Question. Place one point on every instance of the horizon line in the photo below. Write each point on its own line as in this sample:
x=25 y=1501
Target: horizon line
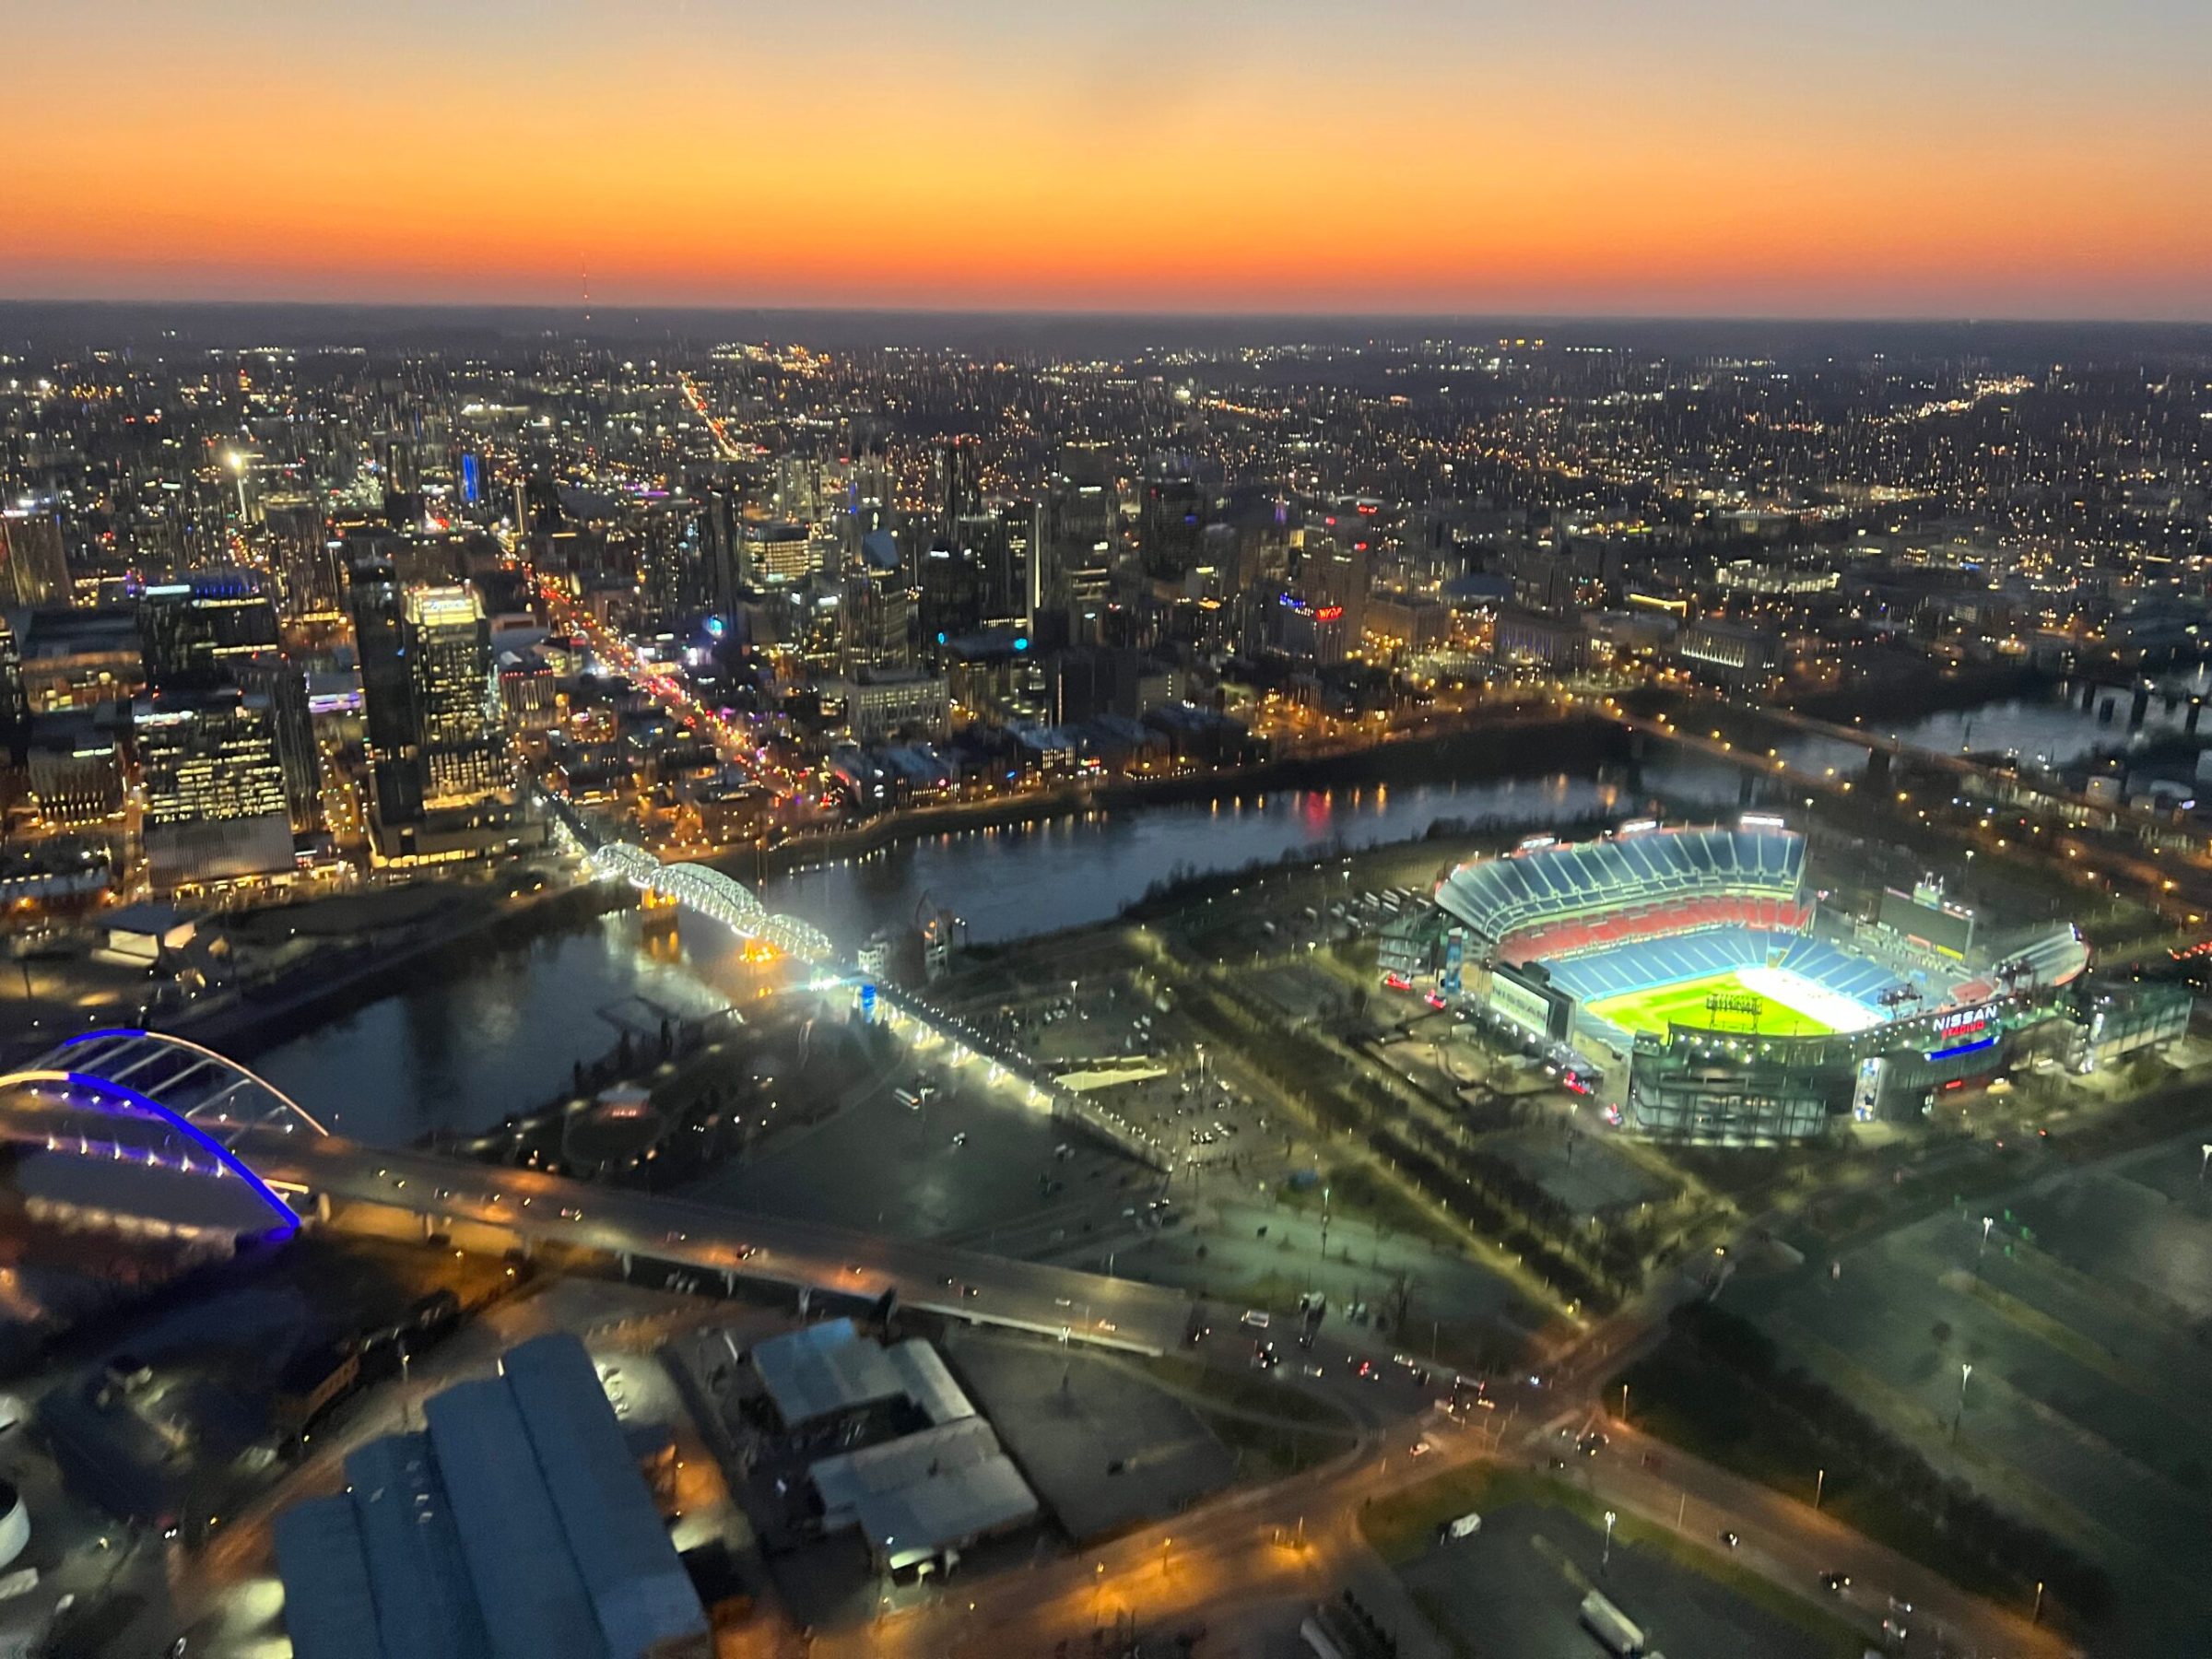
x=1100 y=313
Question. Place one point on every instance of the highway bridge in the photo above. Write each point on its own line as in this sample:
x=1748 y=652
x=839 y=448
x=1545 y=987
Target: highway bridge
x=145 y=1115
x=723 y=898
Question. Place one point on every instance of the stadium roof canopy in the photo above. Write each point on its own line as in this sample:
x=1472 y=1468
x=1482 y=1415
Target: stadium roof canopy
x=1496 y=897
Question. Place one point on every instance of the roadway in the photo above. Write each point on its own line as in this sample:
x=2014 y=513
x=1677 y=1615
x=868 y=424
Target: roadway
x=1301 y=1540
x=532 y=1205
x=1238 y=1552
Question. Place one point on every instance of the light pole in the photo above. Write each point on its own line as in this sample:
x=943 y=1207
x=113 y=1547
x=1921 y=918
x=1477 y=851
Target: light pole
x=1605 y=1560
x=1987 y=1222
x=2206 y=1158
x=1966 y=1371
x=1324 y=1223
x=1820 y=1486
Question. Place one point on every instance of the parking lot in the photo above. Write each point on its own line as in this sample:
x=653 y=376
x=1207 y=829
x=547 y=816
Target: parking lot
x=1105 y=1448
x=2081 y=1318
x=1515 y=1586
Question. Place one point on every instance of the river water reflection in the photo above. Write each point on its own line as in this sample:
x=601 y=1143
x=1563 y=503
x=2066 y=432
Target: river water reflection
x=2053 y=731
x=496 y=1031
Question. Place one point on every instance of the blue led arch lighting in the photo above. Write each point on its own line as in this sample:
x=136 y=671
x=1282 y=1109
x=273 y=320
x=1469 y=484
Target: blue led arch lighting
x=130 y=1099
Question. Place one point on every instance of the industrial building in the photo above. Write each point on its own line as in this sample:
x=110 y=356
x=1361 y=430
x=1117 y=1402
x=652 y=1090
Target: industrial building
x=930 y=1480
x=517 y=1526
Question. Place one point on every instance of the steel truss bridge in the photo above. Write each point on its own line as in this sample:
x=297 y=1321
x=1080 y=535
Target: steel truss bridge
x=719 y=898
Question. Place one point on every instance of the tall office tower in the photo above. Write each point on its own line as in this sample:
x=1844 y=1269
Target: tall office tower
x=281 y=682
x=957 y=490
x=1017 y=580
x=877 y=610
x=776 y=554
x=1334 y=570
x=304 y=557
x=463 y=755
x=948 y=588
x=34 y=568
x=215 y=808
x=1081 y=518
x=721 y=531
x=380 y=644
x=665 y=563
x=192 y=631
x=216 y=629
x=401 y=463
x=15 y=702
x=1171 y=526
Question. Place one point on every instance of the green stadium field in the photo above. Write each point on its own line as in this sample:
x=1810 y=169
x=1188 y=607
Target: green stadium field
x=1685 y=1004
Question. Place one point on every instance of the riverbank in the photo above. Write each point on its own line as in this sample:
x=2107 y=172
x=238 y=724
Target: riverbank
x=1516 y=748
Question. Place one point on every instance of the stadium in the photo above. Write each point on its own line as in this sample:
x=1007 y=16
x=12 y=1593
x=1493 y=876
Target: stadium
x=1690 y=976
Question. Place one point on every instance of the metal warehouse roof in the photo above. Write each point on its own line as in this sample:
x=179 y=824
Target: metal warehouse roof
x=329 y=1609
x=517 y=1527
x=927 y=1382
x=947 y=1511
x=822 y=1369
x=527 y=1582
x=845 y=1480
x=630 y=1569
x=426 y=1604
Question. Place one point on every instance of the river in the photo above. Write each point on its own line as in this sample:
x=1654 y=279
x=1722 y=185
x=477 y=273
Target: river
x=2045 y=733
x=480 y=1034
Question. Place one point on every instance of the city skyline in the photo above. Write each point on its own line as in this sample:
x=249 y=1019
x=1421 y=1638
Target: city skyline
x=1722 y=160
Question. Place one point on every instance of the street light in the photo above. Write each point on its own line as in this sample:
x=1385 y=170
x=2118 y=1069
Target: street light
x=2206 y=1149
x=1819 y=1486
x=238 y=466
x=1605 y=1558
x=1966 y=1371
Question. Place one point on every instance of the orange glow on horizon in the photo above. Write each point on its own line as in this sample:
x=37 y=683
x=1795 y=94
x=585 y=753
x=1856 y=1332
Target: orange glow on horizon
x=704 y=158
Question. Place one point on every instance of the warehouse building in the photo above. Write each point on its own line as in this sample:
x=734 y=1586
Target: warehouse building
x=518 y=1526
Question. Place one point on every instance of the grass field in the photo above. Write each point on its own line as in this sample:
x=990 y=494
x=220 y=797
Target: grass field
x=1686 y=1002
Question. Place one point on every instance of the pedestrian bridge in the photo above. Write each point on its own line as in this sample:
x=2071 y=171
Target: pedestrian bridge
x=161 y=1117
x=718 y=897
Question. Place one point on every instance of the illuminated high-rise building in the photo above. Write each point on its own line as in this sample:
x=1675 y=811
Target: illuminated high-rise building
x=213 y=787
x=376 y=600
x=34 y=567
x=304 y=556
x=219 y=628
x=192 y=631
x=463 y=755
x=877 y=610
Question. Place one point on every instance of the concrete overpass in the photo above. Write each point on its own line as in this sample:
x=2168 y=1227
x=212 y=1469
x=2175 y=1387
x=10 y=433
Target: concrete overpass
x=144 y=1116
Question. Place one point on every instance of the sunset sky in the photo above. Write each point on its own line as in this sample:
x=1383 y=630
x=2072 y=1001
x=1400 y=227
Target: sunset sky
x=1989 y=158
